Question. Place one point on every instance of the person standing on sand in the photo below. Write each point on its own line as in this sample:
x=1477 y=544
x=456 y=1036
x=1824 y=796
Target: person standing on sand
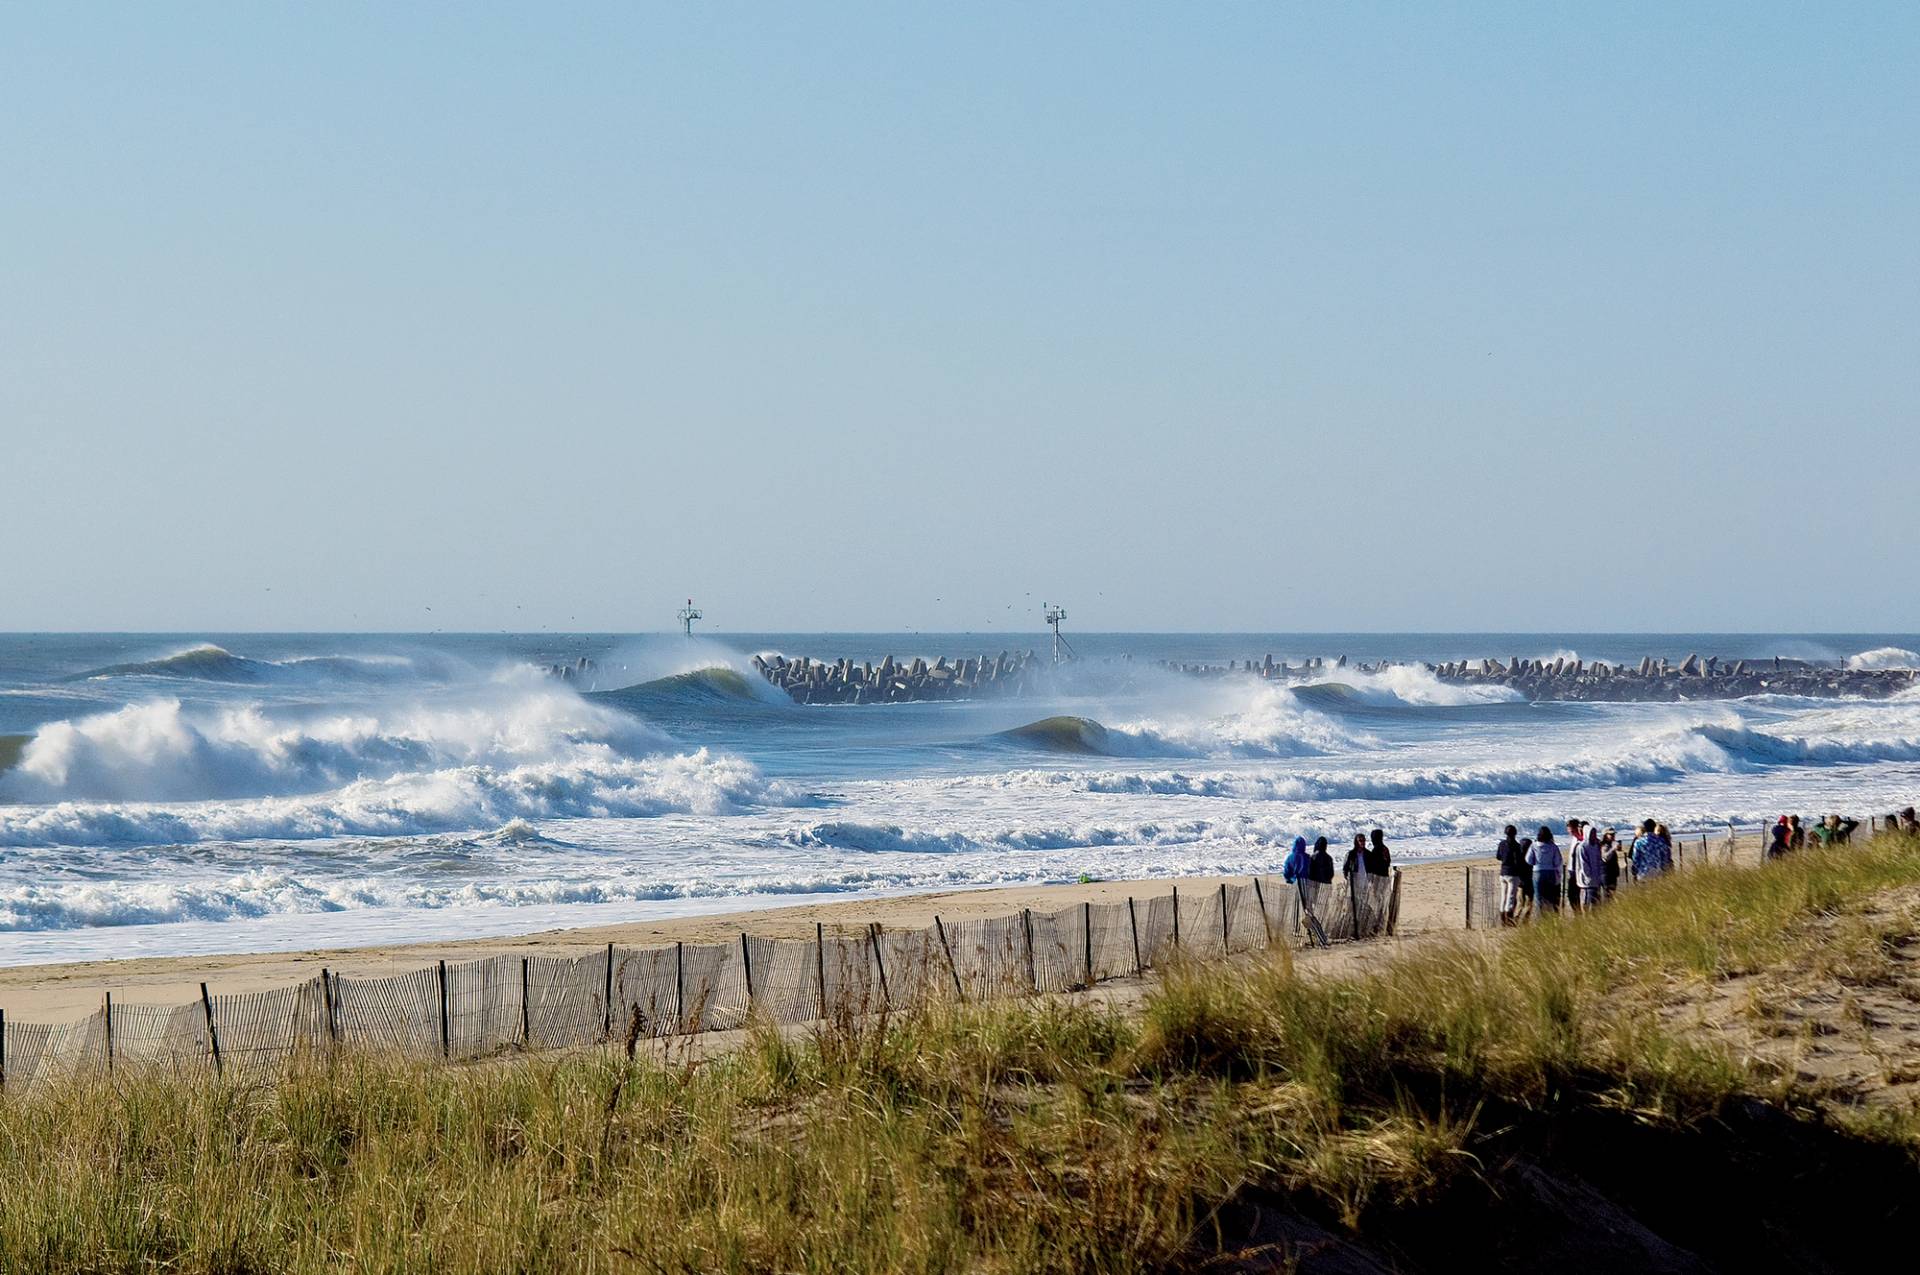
x=1295 y=868
x=1378 y=859
x=1640 y=855
x=1513 y=865
x=1524 y=879
x=1588 y=871
x=1610 y=861
x=1777 y=839
x=1545 y=860
x=1796 y=835
x=1665 y=842
x=1320 y=867
x=1356 y=860
x=1572 y=851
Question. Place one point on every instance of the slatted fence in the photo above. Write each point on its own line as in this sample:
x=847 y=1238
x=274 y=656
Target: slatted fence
x=473 y=1009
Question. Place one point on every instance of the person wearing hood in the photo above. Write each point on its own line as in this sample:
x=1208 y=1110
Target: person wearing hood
x=1356 y=860
x=1589 y=869
x=1379 y=860
x=1777 y=841
x=1295 y=868
x=1610 y=861
x=1320 y=867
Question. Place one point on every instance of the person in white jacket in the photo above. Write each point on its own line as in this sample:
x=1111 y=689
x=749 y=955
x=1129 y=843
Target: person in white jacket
x=1589 y=868
x=1544 y=856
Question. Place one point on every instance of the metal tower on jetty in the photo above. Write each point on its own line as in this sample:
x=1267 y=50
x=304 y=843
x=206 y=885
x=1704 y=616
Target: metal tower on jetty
x=688 y=614
x=1062 y=649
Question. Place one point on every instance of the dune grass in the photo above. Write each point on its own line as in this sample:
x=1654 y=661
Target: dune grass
x=1024 y=1136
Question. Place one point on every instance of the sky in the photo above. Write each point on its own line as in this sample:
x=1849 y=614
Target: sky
x=1190 y=317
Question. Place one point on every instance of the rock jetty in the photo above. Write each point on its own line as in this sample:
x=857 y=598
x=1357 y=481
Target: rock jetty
x=893 y=681
x=1695 y=677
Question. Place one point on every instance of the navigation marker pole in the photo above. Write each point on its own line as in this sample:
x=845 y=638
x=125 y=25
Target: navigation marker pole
x=688 y=614
x=1062 y=649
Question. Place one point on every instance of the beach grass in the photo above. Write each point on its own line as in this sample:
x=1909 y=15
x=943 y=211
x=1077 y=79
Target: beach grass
x=1035 y=1135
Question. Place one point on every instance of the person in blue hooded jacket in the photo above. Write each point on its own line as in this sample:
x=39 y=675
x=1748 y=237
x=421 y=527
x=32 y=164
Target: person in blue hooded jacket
x=1298 y=861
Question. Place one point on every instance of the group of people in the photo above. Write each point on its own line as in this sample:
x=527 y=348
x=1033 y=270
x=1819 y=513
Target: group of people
x=1539 y=872
x=1367 y=857
x=1789 y=834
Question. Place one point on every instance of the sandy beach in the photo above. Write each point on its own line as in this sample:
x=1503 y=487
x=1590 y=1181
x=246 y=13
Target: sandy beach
x=1432 y=895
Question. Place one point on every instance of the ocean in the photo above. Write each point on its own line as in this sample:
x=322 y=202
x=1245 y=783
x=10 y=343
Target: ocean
x=174 y=794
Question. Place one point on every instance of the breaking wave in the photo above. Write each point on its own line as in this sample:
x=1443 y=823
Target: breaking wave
x=1401 y=686
x=1718 y=747
x=710 y=686
x=159 y=750
x=1884 y=657
x=209 y=663
x=161 y=773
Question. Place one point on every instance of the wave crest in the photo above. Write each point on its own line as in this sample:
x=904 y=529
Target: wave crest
x=159 y=750
x=1885 y=657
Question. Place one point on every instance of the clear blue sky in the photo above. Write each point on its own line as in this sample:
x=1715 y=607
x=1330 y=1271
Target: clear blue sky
x=1194 y=316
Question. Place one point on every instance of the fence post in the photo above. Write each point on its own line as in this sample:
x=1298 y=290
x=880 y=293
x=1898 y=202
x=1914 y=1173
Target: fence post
x=1353 y=898
x=746 y=965
x=1026 y=924
x=953 y=969
x=526 y=1003
x=1469 y=898
x=1224 y=948
x=109 y=1013
x=1086 y=919
x=820 y=965
x=1176 y=918
x=333 y=1021
x=1133 y=923
x=879 y=963
x=606 y=1004
x=3 y=1050
x=446 y=1035
x=213 y=1037
x=1393 y=905
x=679 y=988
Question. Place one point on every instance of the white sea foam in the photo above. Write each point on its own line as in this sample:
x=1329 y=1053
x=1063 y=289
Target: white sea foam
x=160 y=750
x=596 y=784
x=1884 y=657
x=1270 y=721
x=1413 y=686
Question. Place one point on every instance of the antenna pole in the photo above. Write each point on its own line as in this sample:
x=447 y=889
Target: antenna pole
x=1062 y=649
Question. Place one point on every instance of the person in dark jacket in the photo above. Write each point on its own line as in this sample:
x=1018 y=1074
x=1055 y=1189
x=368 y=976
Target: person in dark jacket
x=1610 y=859
x=1513 y=866
x=1356 y=860
x=1379 y=859
x=1777 y=841
x=1320 y=867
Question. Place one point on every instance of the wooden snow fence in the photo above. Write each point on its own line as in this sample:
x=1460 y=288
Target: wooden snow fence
x=474 y=1009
